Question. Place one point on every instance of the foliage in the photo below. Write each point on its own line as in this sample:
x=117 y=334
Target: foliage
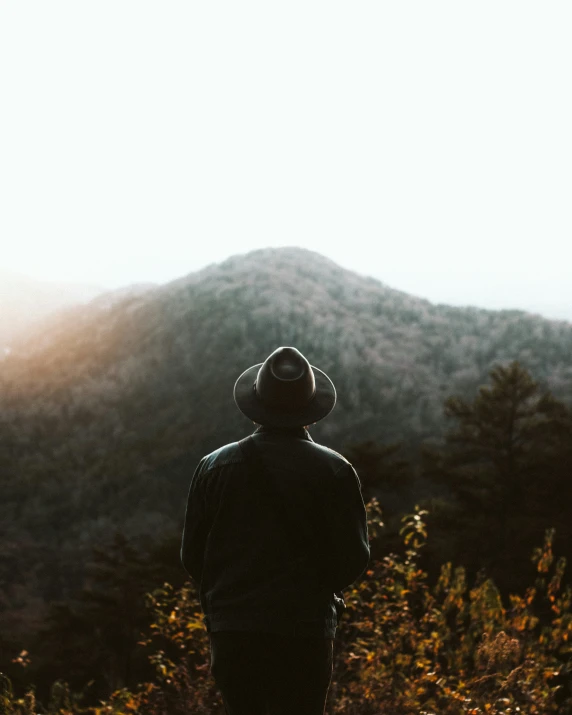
x=404 y=647
x=93 y=635
x=453 y=650
x=506 y=465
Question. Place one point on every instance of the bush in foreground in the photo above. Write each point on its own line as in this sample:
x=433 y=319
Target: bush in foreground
x=404 y=647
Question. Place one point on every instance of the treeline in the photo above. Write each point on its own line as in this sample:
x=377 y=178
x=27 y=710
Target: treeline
x=500 y=475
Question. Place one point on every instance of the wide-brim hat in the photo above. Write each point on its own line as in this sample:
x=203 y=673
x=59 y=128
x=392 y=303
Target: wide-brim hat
x=285 y=391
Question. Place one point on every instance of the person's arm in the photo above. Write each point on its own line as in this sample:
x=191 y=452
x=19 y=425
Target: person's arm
x=195 y=530
x=344 y=542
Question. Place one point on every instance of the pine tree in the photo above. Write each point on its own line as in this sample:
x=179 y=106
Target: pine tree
x=505 y=468
x=93 y=636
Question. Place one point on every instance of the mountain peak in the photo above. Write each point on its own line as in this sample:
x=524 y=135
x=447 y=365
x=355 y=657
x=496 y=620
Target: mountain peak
x=281 y=253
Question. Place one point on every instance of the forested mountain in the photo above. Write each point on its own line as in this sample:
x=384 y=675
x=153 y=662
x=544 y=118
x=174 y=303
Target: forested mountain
x=24 y=301
x=106 y=410
x=394 y=357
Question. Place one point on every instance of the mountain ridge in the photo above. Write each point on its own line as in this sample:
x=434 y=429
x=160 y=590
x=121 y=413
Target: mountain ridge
x=295 y=296
x=267 y=259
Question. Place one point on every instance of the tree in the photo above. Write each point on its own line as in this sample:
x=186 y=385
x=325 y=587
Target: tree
x=94 y=635
x=505 y=468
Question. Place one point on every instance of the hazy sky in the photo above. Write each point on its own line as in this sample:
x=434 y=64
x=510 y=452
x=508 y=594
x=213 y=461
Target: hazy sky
x=426 y=143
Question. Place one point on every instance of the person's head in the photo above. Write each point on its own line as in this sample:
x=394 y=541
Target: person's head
x=285 y=391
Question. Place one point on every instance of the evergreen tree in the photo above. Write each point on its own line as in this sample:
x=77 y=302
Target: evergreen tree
x=93 y=637
x=505 y=469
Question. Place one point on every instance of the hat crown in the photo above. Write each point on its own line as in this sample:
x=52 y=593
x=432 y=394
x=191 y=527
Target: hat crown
x=285 y=380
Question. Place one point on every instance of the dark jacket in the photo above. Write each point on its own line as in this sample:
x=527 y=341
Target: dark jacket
x=235 y=548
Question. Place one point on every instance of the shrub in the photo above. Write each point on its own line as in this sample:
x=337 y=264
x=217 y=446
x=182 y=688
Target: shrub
x=404 y=647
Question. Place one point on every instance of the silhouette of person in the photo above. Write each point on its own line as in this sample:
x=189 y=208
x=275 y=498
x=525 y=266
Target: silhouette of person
x=275 y=529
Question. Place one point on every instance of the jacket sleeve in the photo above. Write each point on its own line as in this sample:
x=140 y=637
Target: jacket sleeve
x=344 y=539
x=196 y=529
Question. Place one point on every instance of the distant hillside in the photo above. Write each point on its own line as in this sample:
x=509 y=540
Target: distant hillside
x=170 y=355
x=393 y=357
x=24 y=301
x=105 y=414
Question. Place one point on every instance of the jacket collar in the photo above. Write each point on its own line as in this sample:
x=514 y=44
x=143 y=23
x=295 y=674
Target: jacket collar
x=298 y=432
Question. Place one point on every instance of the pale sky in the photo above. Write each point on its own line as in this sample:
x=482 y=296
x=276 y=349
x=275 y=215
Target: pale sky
x=428 y=144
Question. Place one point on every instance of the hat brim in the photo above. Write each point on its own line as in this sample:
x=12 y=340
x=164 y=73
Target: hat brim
x=250 y=404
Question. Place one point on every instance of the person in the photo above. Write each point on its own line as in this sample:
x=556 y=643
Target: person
x=275 y=528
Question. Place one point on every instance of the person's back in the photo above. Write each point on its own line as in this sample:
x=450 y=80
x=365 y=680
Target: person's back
x=275 y=528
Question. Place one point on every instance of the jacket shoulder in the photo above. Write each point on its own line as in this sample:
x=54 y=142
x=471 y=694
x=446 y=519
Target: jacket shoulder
x=336 y=459
x=227 y=454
